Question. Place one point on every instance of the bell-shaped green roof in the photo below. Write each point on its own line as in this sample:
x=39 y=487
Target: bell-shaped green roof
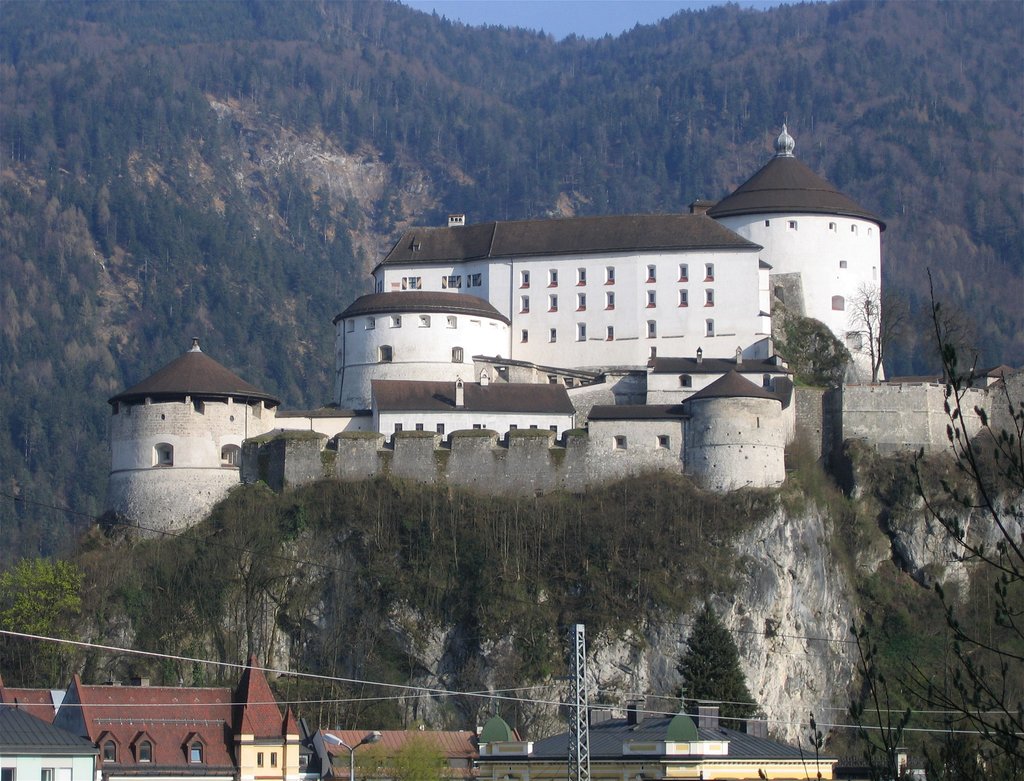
x=681 y=730
x=497 y=730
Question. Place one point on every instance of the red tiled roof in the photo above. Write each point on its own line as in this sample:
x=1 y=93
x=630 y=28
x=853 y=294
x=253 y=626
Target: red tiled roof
x=37 y=702
x=258 y=714
x=454 y=745
x=169 y=716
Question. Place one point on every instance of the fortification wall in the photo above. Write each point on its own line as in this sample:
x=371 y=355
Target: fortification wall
x=810 y=424
x=732 y=443
x=168 y=499
x=905 y=416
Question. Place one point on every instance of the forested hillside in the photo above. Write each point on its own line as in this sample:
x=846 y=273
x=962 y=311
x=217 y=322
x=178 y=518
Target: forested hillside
x=232 y=170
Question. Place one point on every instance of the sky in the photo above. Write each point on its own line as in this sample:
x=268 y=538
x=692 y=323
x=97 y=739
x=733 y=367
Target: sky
x=561 y=18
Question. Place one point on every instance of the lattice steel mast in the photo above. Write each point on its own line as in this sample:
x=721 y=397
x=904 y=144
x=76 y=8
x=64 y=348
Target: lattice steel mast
x=579 y=725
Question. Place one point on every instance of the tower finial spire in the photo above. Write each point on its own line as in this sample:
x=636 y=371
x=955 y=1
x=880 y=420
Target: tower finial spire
x=784 y=144
x=195 y=345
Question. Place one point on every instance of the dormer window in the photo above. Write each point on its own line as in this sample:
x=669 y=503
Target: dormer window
x=195 y=752
x=109 y=751
x=144 y=751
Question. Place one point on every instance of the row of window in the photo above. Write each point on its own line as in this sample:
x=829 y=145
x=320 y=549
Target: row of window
x=143 y=751
x=581 y=332
x=386 y=354
x=834 y=227
x=163 y=455
x=440 y=429
x=448 y=281
x=620 y=442
x=609 y=300
x=395 y=321
x=609 y=275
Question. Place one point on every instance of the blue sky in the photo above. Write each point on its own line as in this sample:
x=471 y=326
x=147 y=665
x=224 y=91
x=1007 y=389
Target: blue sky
x=560 y=18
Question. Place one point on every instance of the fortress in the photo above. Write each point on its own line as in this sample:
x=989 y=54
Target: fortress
x=539 y=354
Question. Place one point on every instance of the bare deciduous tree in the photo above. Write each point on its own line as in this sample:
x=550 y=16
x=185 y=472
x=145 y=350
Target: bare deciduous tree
x=879 y=317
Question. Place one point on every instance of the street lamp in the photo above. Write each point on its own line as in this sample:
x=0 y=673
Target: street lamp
x=334 y=740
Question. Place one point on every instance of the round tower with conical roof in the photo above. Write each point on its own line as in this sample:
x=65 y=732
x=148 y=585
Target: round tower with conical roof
x=175 y=440
x=824 y=249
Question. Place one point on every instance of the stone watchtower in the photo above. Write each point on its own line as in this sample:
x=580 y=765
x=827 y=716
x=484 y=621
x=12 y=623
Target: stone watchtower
x=175 y=440
x=824 y=249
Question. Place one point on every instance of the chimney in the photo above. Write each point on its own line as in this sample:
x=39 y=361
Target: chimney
x=484 y=378
x=635 y=712
x=707 y=717
x=598 y=715
x=739 y=356
x=456 y=220
x=140 y=681
x=757 y=728
x=460 y=394
x=700 y=355
x=701 y=206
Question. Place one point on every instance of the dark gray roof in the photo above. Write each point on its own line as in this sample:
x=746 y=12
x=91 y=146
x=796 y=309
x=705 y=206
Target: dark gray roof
x=636 y=412
x=732 y=385
x=575 y=235
x=607 y=737
x=784 y=185
x=22 y=733
x=421 y=301
x=197 y=375
x=714 y=366
x=422 y=396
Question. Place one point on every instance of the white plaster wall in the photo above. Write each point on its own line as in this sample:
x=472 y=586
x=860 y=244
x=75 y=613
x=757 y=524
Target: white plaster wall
x=642 y=450
x=732 y=443
x=739 y=287
x=664 y=388
x=329 y=425
x=500 y=422
x=168 y=499
x=816 y=251
x=66 y=768
x=418 y=352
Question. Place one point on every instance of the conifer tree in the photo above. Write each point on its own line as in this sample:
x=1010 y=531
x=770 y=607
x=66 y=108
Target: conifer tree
x=711 y=669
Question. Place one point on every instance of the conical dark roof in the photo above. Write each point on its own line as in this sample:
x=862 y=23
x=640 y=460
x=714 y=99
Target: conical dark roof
x=731 y=385
x=197 y=375
x=785 y=185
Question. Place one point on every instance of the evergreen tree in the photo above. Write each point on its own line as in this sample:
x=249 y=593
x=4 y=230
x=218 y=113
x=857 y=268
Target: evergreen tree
x=711 y=669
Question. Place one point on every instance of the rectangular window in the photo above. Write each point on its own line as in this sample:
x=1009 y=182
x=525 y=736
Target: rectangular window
x=273 y=759
x=474 y=280
x=709 y=297
x=709 y=327
x=709 y=272
x=609 y=275
x=424 y=321
x=553 y=335
x=684 y=272
x=398 y=427
x=552 y=303
x=581 y=276
x=451 y=281
x=525 y=336
x=46 y=774
x=259 y=754
x=452 y=321
x=412 y=283
x=652 y=299
x=684 y=298
x=440 y=428
x=524 y=279
x=7 y=774
x=792 y=225
x=419 y=427
x=652 y=273
x=619 y=443
x=552 y=379
x=396 y=321
x=371 y=323
x=663 y=441
x=581 y=302
x=652 y=329
x=553 y=278
x=842 y=264
x=609 y=300
x=610 y=333
x=581 y=332
x=524 y=304
x=832 y=227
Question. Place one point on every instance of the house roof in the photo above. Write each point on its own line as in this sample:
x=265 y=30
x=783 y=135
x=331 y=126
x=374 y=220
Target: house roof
x=454 y=745
x=41 y=703
x=786 y=185
x=607 y=738
x=571 y=235
x=23 y=733
x=170 y=717
x=714 y=366
x=197 y=375
x=256 y=711
x=424 y=396
x=731 y=385
x=637 y=412
x=425 y=301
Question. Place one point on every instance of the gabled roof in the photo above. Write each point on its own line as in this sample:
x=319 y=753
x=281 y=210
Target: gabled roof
x=731 y=385
x=571 y=235
x=41 y=703
x=430 y=396
x=786 y=185
x=637 y=412
x=197 y=375
x=165 y=715
x=425 y=301
x=256 y=711
x=23 y=733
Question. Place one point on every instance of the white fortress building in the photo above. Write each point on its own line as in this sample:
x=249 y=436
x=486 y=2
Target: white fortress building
x=649 y=334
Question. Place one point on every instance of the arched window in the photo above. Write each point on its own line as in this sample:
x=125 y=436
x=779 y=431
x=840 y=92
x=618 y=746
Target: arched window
x=145 y=751
x=163 y=454
x=110 y=751
x=230 y=455
x=195 y=752
x=457 y=355
x=385 y=354
x=838 y=303
x=685 y=381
